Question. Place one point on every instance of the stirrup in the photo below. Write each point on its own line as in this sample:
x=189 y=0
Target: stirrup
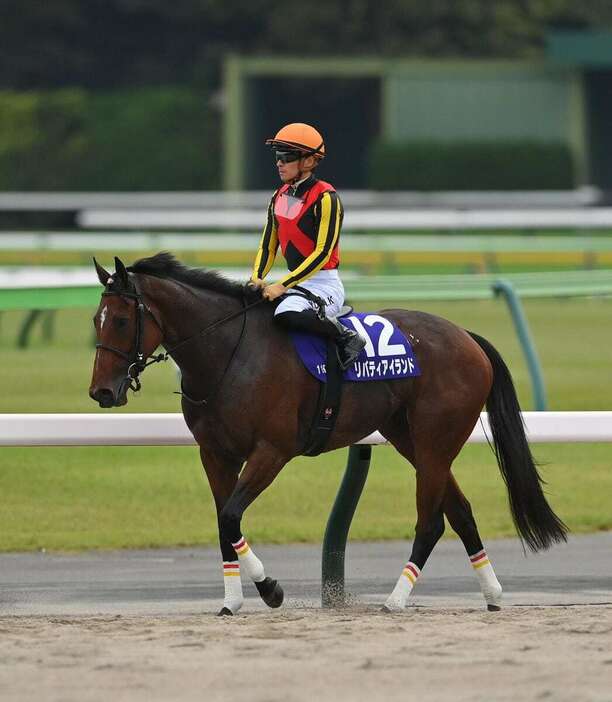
x=345 y=363
x=347 y=356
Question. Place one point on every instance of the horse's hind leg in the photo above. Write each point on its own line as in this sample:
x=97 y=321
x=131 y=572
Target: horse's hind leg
x=459 y=515
x=432 y=474
x=431 y=443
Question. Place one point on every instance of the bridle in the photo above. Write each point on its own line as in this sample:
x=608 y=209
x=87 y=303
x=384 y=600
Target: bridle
x=136 y=359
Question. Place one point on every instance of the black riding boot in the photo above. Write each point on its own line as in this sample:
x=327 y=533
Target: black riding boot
x=348 y=342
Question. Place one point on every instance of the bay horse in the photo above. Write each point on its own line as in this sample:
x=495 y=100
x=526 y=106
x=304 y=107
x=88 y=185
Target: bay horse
x=249 y=403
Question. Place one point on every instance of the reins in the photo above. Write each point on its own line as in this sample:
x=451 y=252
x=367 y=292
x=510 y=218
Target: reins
x=302 y=292
x=218 y=323
x=137 y=361
x=211 y=395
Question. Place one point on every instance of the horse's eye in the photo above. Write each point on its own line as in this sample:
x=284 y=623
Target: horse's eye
x=121 y=322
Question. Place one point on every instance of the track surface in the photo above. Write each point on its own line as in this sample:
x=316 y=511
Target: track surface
x=189 y=580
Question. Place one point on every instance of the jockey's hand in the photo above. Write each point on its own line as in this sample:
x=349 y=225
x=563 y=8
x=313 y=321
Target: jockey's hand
x=271 y=292
x=257 y=283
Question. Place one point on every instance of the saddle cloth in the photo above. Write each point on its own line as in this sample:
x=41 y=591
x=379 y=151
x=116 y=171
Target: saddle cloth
x=387 y=355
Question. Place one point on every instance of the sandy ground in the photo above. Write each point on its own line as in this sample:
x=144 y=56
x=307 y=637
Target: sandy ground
x=358 y=653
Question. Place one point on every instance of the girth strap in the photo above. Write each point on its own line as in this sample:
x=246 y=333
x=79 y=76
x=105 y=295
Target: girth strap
x=328 y=405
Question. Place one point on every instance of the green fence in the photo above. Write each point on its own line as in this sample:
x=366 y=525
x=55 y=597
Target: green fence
x=371 y=288
x=511 y=287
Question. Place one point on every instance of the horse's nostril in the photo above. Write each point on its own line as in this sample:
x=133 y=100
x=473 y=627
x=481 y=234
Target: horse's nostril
x=103 y=397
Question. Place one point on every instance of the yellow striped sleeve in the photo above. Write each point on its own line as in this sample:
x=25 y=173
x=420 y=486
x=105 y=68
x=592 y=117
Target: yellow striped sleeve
x=267 y=246
x=327 y=238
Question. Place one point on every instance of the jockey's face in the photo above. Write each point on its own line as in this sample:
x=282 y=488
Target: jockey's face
x=301 y=168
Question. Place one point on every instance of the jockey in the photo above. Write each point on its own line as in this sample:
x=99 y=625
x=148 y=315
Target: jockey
x=305 y=217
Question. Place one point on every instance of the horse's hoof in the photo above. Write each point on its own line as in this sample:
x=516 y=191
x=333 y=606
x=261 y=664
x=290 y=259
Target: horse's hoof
x=271 y=592
x=493 y=608
x=225 y=612
x=393 y=606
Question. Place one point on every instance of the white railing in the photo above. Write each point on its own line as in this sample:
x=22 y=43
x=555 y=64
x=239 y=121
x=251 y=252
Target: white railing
x=119 y=429
x=356 y=219
x=209 y=199
x=364 y=210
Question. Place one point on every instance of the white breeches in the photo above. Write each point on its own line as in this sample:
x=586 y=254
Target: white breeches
x=326 y=284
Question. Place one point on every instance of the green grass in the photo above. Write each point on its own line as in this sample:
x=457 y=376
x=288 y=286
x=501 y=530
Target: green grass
x=94 y=497
x=82 y=498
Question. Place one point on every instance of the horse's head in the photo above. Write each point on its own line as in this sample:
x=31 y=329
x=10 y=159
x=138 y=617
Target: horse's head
x=127 y=334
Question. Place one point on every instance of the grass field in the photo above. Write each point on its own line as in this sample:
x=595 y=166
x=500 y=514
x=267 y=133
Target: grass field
x=119 y=497
x=72 y=498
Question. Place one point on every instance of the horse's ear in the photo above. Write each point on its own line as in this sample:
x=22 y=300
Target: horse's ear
x=121 y=272
x=103 y=275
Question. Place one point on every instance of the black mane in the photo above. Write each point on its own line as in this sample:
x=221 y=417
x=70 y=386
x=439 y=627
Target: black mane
x=165 y=265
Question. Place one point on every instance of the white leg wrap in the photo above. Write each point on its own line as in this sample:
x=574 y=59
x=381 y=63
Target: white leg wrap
x=252 y=566
x=489 y=584
x=233 y=586
x=398 y=598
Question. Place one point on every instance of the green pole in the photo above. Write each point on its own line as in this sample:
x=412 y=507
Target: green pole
x=339 y=523
x=26 y=328
x=234 y=123
x=505 y=288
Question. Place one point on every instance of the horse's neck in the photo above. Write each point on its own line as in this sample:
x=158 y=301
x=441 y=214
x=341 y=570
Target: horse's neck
x=183 y=313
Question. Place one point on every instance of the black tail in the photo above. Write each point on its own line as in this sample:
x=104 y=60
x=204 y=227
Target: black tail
x=535 y=521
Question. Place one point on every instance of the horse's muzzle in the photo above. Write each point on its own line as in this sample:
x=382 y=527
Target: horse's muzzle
x=106 y=398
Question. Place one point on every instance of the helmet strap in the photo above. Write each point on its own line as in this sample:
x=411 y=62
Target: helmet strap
x=297 y=178
x=300 y=173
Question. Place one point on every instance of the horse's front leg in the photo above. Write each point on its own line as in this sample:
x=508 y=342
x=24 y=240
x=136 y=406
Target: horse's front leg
x=262 y=466
x=222 y=476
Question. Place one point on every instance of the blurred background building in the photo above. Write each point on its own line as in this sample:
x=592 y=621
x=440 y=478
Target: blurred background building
x=473 y=94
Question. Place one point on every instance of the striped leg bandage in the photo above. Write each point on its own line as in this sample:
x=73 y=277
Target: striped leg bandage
x=233 y=586
x=252 y=566
x=407 y=580
x=489 y=584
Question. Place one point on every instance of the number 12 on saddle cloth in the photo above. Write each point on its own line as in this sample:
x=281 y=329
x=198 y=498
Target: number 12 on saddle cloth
x=387 y=355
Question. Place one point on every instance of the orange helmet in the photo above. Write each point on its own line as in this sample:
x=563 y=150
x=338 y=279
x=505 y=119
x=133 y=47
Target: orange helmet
x=301 y=137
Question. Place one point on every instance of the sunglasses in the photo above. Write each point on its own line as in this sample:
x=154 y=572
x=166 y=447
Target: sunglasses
x=287 y=156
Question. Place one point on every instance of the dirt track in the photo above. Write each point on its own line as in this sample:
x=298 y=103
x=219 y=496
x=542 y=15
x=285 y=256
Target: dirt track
x=135 y=626
x=521 y=653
